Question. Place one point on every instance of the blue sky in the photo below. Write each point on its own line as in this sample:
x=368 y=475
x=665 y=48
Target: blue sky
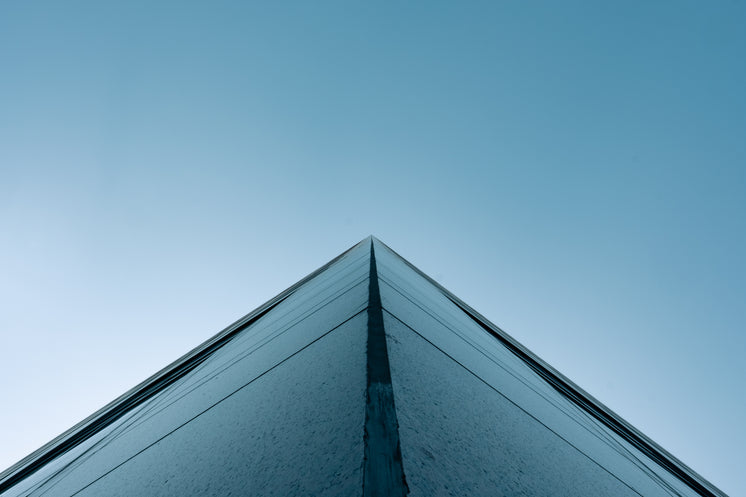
x=574 y=171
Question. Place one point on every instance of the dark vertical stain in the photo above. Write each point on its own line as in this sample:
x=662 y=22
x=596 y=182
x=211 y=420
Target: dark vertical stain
x=383 y=474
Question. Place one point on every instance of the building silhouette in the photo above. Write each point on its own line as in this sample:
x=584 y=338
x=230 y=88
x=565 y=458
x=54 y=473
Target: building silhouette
x=365 y=378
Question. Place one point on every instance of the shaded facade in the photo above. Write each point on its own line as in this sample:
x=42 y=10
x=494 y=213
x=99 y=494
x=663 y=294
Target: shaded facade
x=365 y=378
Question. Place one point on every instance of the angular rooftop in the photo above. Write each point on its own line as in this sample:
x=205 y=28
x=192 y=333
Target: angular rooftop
x=364 y=378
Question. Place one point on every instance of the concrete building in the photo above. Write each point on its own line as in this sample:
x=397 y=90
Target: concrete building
x=365 y=378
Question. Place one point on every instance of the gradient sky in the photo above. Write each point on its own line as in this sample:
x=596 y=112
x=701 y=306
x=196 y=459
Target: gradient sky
x=574 y=171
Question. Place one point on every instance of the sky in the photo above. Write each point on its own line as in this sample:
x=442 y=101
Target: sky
x=575 y=171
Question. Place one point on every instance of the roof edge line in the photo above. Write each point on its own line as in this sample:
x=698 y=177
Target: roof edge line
x=594 y=407
x=147 y=388
x=579 y=396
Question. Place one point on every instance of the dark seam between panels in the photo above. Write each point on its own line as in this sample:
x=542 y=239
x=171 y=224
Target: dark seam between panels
x=383 y=474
